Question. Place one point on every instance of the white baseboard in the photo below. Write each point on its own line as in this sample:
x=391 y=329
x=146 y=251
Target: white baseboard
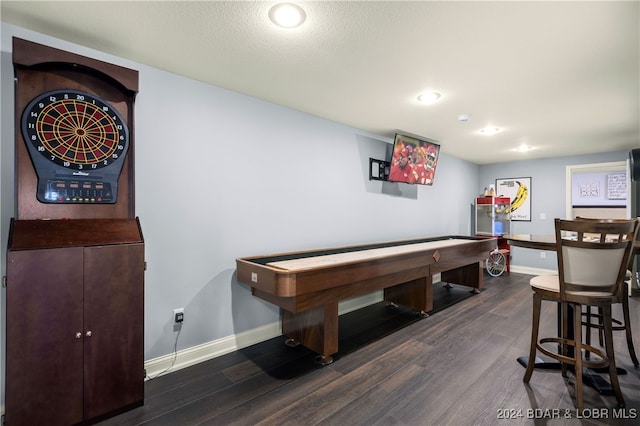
x=532 y=271
x=187 y=357
x=196 y=354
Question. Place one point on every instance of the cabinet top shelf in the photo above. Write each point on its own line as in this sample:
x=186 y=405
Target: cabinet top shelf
x=493 y=200
x=45 y=234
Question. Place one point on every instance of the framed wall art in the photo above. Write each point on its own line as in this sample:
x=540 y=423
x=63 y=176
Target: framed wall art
x=519 y=191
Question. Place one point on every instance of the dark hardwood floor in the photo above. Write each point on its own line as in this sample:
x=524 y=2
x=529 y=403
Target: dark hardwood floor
x=457 y=367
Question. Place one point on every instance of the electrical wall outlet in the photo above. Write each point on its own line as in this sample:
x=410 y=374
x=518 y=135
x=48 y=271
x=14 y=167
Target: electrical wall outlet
x=178 y=315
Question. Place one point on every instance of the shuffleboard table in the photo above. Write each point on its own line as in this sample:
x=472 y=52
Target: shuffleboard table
x=308 y=285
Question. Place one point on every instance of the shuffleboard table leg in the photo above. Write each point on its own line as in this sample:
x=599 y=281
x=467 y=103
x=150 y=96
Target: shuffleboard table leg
x=292 y=343
x=416 y=294
x=469 y=275
x=315 y=329
x=324 y=360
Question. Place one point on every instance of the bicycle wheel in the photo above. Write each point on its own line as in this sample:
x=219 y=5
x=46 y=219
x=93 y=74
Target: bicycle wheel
x=496 y=263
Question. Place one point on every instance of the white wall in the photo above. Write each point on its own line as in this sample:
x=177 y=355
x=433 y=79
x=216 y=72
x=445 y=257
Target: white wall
x=220 y=175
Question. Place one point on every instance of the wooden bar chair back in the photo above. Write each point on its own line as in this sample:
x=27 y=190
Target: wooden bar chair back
x=592 y=262
x=618 y=325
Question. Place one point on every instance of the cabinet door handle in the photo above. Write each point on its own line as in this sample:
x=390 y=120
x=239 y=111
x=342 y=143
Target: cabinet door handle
x=78 y=335
x=88 y=333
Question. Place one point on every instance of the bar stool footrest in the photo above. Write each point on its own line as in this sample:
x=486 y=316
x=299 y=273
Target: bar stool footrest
x=586 y=363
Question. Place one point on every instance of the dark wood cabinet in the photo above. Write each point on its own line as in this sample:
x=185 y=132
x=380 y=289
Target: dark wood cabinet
x=74 y=284
x=75 y=320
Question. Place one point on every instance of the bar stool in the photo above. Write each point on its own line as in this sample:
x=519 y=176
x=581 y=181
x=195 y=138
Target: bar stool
x=592 y=263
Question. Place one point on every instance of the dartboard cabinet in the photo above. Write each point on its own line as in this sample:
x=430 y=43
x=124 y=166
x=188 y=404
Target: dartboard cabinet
x=75 y=255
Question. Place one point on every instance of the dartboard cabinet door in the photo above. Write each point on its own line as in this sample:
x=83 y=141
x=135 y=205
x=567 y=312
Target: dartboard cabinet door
x=74 y=335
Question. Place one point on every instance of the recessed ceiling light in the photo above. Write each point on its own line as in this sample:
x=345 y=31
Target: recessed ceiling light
x=490 y=130
x=429 y=97
x=523 y=148
x=287 y=15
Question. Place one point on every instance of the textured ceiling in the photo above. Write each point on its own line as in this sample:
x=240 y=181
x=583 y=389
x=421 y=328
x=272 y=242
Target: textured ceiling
x=562 y=77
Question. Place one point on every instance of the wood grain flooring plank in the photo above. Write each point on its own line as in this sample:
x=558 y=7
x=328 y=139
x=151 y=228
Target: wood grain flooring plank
x=374 y=405
x=322 y=403
x=279 y=399
x=206 y=407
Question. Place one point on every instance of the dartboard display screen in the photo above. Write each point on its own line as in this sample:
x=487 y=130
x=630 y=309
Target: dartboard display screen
x=73 y=137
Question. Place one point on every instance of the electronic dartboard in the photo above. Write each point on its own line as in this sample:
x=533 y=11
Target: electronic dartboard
x=77 y=143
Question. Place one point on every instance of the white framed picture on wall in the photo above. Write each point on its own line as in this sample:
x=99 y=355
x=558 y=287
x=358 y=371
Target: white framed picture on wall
x=519 y=191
